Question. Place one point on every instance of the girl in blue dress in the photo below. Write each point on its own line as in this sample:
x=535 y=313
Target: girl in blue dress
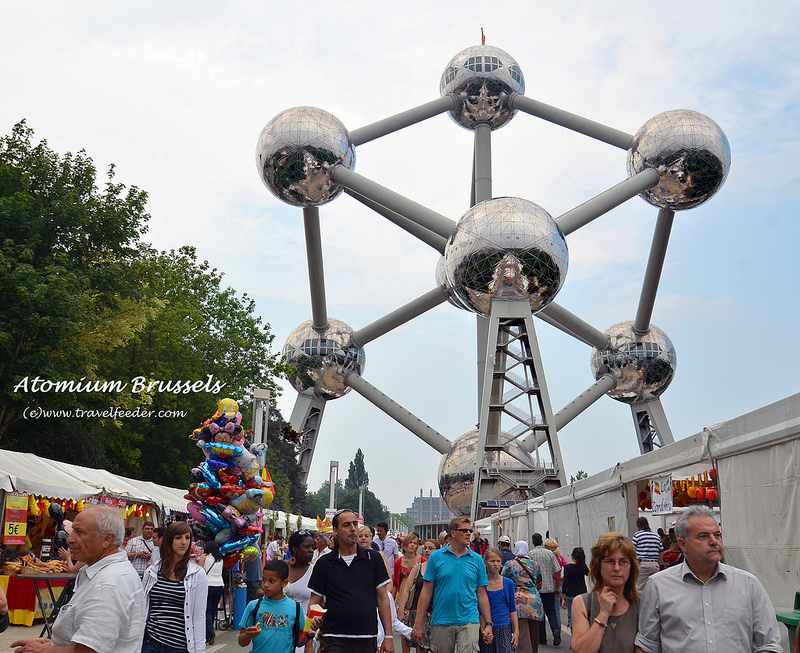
x=505 y=627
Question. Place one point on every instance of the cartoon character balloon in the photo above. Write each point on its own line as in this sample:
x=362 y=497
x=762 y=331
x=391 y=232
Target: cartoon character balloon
x=230 y=487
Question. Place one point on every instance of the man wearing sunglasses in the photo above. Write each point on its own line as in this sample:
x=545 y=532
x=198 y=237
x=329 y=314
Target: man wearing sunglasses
x=456 y=579
x=351 y=583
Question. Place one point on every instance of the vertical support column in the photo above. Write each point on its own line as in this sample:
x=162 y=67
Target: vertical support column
x=260 y=414
x=334 y=478
x=481 y=190
x=305 y=419
x=515 y=315
x=651 y=424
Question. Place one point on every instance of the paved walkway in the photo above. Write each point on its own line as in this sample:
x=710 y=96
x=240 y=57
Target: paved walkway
x=226 y=640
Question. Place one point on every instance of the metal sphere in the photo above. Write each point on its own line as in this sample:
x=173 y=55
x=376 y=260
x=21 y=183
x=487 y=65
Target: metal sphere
x=506 y=248
x=441 y=282
x=297 y=150
x=688 y=150
x=644 y=366
x=322 y=360
x=457 y=470
x=483 y=78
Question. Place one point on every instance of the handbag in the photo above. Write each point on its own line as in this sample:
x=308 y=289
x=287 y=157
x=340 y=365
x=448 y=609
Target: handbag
x=4 y=621
x=412 y=589
x=525 y=569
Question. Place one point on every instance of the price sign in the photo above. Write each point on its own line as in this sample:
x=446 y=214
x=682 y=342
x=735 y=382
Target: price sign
x=15 y=525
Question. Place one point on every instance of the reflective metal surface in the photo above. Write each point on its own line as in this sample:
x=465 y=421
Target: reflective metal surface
x=483 y=78
x=506 y=247
x=457 y=470
x=689 y=151
x=441 y=282
x=296 y=151
x=644 y=366
x=322 y=360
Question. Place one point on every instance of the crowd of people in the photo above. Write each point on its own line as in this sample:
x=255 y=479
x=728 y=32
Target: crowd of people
x=453 y=594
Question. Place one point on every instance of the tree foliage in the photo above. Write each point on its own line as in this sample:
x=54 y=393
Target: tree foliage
x=66 y=249
x=357 y=473
x=86 y=300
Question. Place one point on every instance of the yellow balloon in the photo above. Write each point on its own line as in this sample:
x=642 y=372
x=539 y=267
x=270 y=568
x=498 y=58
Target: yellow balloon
x=227 y=407
x=33 y=509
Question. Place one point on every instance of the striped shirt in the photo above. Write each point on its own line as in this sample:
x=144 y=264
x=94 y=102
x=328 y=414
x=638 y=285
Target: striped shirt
x=165 y=621
x=648 y=545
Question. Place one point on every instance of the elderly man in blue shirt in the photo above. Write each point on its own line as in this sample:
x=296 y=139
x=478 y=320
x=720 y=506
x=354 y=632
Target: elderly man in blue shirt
x=703 y=604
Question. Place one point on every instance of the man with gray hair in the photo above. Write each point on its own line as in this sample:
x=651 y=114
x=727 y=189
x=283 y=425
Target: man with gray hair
x=703 y=604
x=107 y=611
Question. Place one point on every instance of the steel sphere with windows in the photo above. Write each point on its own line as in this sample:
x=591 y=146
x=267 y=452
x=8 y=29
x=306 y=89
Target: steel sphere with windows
x=457 y=470
x=506 y=247
x=297 y=150
x=690 y=153
x=321 y=360
x=483 y=78
x=644 y=365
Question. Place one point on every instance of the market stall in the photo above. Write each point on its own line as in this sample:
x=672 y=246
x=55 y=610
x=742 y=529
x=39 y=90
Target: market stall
x=28 y=486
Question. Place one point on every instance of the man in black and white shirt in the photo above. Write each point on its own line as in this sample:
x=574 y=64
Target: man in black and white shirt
x=140 y=548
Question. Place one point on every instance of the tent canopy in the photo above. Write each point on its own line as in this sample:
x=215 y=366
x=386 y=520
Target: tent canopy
x=25 y=472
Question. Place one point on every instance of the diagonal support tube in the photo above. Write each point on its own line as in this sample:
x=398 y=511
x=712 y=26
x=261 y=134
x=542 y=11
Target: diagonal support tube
x=572 y=410
x=582 y=215
x=423 y=216
x=316 y=271
x=398 y=413
x=652 y=276
x=570 y=323
x=425 y=235
x=398 y=317
x=572 y=121
x=403 y=119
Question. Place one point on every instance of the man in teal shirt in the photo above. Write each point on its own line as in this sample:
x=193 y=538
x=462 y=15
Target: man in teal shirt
x=458 y=576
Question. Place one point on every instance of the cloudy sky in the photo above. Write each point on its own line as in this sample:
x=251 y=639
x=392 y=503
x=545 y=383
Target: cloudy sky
x=176 y=94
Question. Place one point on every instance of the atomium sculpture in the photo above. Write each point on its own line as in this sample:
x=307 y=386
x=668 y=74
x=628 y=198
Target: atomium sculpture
x=505 y=259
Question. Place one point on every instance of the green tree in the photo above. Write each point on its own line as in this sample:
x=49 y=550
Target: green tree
x=86 y=300
x=374 y=509
x=357 y=473
x=281 y=460
x=581 y=474
x=66 y=254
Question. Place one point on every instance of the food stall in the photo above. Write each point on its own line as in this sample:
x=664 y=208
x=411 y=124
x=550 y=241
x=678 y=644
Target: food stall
x=28 y=486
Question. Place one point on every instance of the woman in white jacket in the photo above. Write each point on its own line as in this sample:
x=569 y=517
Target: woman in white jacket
x=176 y=588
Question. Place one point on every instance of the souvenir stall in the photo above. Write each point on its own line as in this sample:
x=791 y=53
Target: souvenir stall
x=39 y=498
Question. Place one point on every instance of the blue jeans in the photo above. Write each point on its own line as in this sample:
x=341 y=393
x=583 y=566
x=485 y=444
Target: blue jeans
x=569 y=610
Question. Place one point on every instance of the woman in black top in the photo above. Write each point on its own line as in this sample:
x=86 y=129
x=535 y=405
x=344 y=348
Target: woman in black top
x=574 y=581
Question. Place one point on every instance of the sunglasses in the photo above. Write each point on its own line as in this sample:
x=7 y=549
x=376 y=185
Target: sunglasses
x=463 y=530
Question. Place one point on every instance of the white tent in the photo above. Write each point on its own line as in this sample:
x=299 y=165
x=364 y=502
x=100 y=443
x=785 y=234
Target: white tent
x=25 y=472
x=757 y=457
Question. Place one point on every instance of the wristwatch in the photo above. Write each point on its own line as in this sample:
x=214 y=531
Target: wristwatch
x=489 y=623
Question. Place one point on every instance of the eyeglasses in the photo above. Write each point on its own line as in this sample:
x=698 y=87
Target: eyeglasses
x=624 y=562
x=305 y=532
x=463 y=530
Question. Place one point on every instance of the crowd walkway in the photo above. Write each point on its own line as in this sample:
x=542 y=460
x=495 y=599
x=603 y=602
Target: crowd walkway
x=226 y=639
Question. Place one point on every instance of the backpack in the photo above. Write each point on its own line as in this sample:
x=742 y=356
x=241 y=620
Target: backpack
x=295 y=625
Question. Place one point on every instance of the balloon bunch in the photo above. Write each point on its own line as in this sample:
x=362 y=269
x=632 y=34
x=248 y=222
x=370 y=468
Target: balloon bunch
x=229 y=488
